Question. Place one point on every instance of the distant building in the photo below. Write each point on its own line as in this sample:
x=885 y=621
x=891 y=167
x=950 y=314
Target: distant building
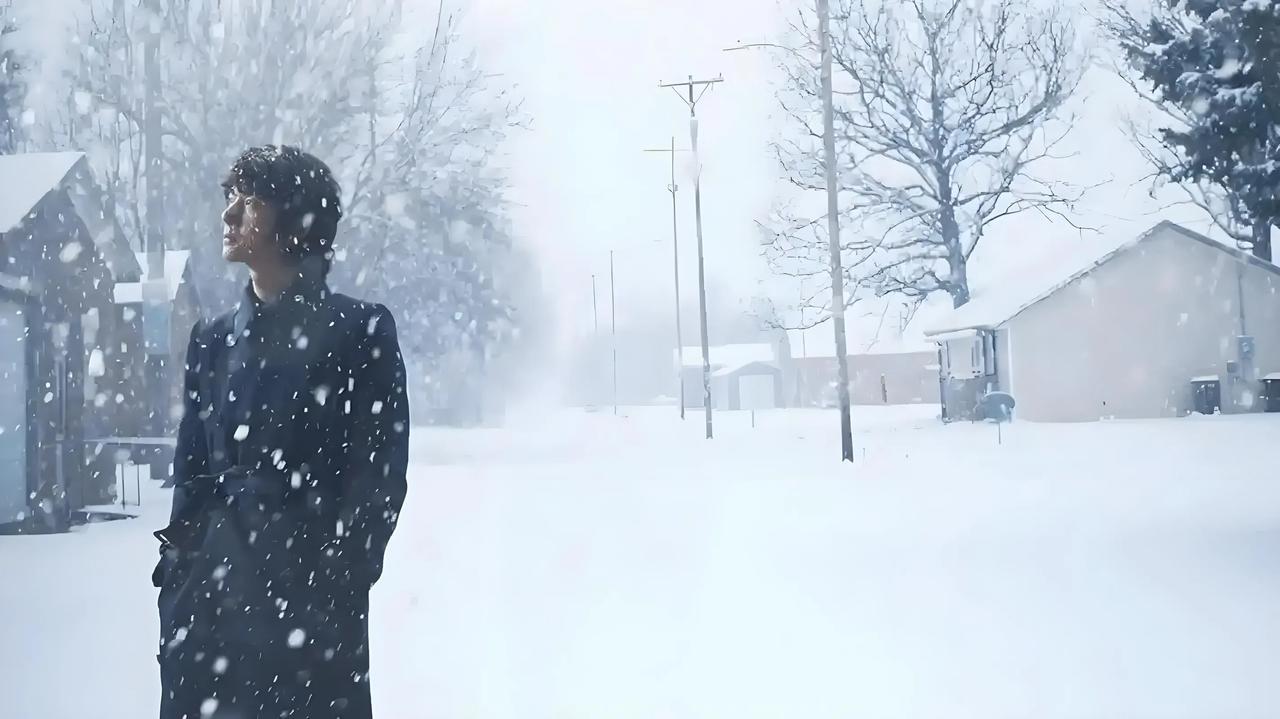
x=743 y=376
x=178 y=308
x=57 y=257
x=1118 y=333
x=903 y=370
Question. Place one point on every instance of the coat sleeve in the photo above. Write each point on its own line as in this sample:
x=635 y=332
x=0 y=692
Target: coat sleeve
x=374 y=484
x=191 y=456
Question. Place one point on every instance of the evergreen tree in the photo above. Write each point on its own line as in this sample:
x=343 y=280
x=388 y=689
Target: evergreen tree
x=11 y=85
x=1218 y=63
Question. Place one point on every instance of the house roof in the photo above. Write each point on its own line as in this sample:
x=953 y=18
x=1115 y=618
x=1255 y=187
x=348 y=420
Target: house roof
x=995 y=305
x=25 y=179
x=175 y=267
x=730 y=370
x=731 y=355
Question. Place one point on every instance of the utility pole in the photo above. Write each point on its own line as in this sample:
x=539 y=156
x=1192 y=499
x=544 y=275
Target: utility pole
x=696 y=89
x=833 y=232
x=595 y=310
x=673 y=188
x=833 y=218
x=156 y=305
x=613 y=318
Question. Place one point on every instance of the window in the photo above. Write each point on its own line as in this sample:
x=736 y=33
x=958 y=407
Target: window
x=963 y=357
x=989 y=354
x=970 y=357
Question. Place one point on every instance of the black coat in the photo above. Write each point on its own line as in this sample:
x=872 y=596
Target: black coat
x=290 y=475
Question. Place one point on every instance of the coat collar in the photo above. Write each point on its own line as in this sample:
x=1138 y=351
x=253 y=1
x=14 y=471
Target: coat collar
x=307 y=291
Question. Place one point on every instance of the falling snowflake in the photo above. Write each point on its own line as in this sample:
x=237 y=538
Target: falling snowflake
x=241 y=432
x=297 y=638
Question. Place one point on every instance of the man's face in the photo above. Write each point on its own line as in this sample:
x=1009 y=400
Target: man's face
x=248 y=229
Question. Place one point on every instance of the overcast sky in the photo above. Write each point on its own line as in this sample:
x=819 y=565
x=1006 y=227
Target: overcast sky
x=589 y=72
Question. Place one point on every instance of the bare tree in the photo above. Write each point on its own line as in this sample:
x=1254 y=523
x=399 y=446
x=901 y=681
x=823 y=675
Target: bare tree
x=408 y=120
x=944 y=111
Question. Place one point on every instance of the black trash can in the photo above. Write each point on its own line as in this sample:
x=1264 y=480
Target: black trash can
x=1206 y=395
x=1271 y=393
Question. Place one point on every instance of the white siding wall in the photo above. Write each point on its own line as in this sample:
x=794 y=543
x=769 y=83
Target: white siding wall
x=1004 y=377
x=1125 y=340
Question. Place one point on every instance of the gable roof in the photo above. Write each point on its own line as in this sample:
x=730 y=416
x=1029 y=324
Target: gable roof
x=994 y=306
x=25 y=179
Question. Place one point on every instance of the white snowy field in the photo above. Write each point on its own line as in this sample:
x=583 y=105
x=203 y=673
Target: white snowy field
x=579 y=565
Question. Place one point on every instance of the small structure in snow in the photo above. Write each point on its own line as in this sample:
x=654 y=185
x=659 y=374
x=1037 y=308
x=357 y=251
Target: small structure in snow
x=743 y=376
x=179 y=304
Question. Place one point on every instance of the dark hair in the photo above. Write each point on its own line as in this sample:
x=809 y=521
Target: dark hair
x=301 y=188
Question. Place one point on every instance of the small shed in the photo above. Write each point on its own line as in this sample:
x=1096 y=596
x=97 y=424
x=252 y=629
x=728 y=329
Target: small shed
x=743 y=376
x=1116 y=330
x=57 y=253
x=754 y=385
x=179 y=305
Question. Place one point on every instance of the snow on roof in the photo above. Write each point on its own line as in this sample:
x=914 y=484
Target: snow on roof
x=26 y=178
x=175 y=265
x=997 y=303
x=728 y=370
x=732 y=355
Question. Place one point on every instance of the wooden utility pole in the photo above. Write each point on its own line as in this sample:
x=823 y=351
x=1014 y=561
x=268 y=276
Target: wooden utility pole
x=156 y=305
x=833 y=232
x=696 y=89
x=613 y=320
x=673 y=188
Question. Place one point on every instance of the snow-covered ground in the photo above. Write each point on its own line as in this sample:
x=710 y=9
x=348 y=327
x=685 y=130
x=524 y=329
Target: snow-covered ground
x=581 y=565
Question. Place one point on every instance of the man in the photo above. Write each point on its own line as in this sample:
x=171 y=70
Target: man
x=289 y=469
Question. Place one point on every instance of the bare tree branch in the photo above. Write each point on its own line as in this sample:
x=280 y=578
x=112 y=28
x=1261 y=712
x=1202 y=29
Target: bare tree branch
x=944 y=109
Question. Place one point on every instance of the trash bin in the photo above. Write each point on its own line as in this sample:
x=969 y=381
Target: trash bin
x=1271 y=392
x=1206 y=395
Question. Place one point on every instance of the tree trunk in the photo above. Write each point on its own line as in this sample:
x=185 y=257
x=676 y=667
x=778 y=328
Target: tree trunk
x=1262 y=240
x=959 y=288
x=957 y=264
